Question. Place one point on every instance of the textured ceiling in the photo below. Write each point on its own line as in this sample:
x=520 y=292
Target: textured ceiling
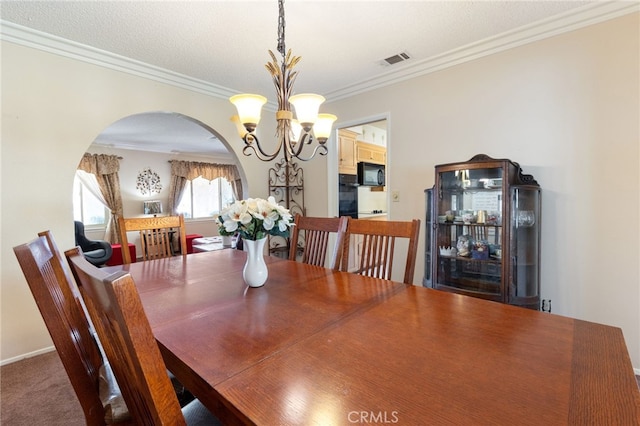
x=342 y=43
x=226 y=42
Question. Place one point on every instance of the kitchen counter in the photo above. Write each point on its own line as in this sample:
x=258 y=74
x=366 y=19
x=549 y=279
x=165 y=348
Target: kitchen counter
x=372 y=216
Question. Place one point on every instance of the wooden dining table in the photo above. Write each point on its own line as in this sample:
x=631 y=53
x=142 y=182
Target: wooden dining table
x=319 y=347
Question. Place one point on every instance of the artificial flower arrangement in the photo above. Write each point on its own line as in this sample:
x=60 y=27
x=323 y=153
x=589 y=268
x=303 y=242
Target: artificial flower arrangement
x=254 y=219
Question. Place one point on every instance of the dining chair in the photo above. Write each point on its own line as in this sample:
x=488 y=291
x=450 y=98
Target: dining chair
x=156 y=235
x=61 y=307
x=315 y=238
x=375 y=242
x=116 y=310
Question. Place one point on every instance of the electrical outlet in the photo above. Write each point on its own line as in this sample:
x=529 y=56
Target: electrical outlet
x=395 y=196
x=546 y=305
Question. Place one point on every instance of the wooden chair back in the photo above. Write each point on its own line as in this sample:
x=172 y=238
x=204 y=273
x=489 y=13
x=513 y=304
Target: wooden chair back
x=377 y=246
x=314 y=244
x=61 y=308
x=156 y=235
x=115 y=308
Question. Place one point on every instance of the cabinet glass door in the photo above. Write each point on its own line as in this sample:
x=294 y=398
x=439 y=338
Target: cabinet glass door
x=469 y=231
x=525 y=241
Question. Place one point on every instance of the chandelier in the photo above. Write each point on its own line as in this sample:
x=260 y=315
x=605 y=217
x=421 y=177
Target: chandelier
x=293 y=134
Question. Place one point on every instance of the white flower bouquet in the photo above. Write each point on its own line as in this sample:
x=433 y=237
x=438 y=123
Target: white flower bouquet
x=254 y=219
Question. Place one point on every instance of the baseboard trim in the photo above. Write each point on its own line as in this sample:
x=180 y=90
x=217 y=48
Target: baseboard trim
x=27 y=355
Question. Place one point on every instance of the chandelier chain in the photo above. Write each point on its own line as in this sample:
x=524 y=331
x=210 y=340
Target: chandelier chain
x=281 y=24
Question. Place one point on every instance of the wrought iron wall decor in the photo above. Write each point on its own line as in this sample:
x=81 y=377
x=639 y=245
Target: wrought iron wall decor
x=148 y=182
x=286 y=185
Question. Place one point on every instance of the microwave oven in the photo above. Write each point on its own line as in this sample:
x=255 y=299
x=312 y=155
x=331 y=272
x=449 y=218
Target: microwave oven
x=371 y=174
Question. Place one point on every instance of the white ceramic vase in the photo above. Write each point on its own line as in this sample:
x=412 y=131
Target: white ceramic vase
x=255 y=271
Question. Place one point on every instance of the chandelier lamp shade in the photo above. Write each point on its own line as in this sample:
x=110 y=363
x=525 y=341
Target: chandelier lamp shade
x=293 y=134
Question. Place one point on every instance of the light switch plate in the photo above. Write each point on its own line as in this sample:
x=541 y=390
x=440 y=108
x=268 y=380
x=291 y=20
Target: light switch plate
x=395 y=196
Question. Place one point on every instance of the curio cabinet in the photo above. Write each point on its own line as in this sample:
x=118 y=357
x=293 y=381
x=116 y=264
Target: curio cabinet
x=483 y=231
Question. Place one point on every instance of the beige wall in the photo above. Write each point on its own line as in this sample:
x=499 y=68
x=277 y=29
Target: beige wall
x=52 y=109
x=566 y=108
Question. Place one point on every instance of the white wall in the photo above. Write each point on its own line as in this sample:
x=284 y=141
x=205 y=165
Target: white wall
x=565 y=108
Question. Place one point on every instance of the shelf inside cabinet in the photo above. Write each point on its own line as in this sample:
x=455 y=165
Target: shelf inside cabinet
x=476 y=289
x=459 y=190
x=497 y=225
x=470 y=259
x=471 y=274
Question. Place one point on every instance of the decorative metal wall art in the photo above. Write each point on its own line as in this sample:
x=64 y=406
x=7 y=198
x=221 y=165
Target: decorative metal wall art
x=148 y=182
x=286 y=185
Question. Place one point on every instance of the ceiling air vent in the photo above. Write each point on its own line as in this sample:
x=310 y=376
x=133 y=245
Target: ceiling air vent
x=395 y=59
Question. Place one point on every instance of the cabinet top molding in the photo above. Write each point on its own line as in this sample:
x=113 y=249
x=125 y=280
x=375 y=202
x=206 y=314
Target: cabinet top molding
x=521 y=179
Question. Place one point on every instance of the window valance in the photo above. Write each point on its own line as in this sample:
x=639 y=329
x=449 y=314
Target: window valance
x=182 y=171
x=99 y=164
x=192 y=169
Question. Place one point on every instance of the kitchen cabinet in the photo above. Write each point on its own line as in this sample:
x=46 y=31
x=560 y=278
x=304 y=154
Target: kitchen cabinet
x=347 y=152
x=483 y=231
x=371 y=153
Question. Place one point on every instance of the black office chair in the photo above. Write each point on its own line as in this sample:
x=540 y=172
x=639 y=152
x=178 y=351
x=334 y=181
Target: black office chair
x=97 y=252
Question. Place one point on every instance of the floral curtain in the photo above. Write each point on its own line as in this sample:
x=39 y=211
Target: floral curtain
x=182 y=171
x=105 y=168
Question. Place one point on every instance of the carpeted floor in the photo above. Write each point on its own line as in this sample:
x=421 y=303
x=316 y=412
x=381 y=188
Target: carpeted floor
x=36 y=391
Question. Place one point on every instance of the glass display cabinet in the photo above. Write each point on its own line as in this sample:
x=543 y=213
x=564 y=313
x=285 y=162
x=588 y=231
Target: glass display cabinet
x=483 y=231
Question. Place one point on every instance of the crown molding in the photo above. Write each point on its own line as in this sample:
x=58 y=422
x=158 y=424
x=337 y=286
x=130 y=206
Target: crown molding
x=67 y=48
x=570 y=21
x=575 y=19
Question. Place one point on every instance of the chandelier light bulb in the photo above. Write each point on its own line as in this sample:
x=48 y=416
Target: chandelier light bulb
x=306 y=106
x=322 y=127
x=249 y=108
x=242 y=131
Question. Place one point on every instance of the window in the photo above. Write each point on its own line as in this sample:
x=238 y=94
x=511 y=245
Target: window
x=204 y=199
x=87 y=208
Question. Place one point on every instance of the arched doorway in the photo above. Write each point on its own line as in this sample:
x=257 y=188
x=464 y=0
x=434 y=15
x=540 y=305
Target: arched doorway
x=145 y=143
